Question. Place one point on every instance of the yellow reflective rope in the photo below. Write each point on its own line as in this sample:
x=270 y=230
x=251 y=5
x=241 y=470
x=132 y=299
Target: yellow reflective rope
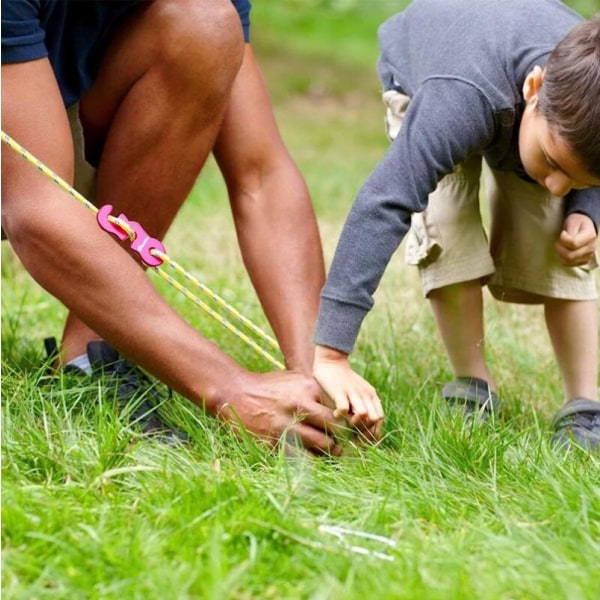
x=172 y=263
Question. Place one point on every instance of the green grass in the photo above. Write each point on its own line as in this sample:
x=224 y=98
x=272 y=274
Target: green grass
x=90 y=510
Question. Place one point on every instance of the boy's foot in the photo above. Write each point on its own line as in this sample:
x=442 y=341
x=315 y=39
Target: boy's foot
x=133 y=392
x=578 y=422
x=473 y=396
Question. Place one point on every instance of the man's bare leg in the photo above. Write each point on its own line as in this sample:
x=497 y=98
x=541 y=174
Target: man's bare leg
x=154 y=111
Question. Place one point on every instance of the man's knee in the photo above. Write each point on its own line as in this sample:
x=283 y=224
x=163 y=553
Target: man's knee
x=200 y=39
x=180 y=56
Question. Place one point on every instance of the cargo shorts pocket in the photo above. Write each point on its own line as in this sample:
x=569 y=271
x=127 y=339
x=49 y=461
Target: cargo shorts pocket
x=395 y=104
x=422 y=241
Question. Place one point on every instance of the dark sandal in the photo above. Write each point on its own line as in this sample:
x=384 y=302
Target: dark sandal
x=578 y=422
x=473 y=395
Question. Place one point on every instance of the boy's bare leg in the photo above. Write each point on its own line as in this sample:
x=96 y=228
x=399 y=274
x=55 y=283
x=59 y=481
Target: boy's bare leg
x=458 y=311
x=573 y=329
x=154 y=113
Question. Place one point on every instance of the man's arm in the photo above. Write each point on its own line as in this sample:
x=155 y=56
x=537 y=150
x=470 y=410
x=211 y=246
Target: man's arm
x=274 y=217
x=60 y=244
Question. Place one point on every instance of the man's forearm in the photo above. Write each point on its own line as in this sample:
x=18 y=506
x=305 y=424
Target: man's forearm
x=85 y=269
x=282 y=251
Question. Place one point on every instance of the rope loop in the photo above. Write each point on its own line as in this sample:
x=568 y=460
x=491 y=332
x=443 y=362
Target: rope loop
x=153 y=254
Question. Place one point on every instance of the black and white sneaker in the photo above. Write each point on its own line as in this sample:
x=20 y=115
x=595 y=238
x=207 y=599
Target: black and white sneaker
x=134 y=393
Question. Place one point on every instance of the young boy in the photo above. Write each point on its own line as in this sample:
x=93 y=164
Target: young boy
x=467 y=83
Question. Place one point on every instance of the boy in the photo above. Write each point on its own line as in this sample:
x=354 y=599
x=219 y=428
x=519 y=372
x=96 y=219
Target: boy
x=466 y=81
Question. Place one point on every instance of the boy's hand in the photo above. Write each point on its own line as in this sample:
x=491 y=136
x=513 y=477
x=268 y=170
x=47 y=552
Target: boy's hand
x=576 y=245
x=353 y=397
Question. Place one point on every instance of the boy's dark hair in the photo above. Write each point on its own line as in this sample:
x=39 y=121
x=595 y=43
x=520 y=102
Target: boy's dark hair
x=569 y=98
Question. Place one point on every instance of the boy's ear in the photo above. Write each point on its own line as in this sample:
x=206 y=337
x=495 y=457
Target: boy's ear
x=532 y=85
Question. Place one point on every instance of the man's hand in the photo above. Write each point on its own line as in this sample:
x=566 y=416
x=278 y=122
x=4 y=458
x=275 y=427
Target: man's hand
x=270 y=405
x=352 y=396
x=577 y=242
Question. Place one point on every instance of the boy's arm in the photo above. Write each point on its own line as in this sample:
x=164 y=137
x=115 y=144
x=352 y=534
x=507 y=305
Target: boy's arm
x=354 y=398
x=445 y=122
x=586 y=202
x=576 y=245
x=273 y=214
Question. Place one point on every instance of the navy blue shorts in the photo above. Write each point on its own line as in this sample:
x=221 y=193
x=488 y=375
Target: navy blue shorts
x=73 y=35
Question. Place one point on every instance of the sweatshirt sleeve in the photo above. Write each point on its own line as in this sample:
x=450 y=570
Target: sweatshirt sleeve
x=587 y=202
x=447 y=120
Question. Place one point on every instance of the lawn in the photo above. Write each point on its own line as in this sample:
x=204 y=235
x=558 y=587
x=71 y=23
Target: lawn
x=437 y=510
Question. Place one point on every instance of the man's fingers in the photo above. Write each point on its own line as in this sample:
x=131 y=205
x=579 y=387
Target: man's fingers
x=315 y=440
x=321 y=417
x=377 y=428
x=372 y=433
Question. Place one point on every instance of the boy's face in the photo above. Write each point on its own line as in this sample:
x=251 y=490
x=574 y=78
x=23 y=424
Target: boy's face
x=546 y=157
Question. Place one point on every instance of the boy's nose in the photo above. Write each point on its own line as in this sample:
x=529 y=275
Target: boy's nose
x=558 y=184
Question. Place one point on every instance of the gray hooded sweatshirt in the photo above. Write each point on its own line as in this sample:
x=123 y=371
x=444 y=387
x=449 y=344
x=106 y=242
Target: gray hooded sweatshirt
x=463 y=63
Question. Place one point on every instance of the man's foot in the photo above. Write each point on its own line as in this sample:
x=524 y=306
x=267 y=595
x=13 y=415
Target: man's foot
x=132 y=391
x=578 y=422
x=473 y=396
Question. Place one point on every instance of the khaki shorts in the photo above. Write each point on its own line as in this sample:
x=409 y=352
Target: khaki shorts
x=519 y=263
x=85 y=174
